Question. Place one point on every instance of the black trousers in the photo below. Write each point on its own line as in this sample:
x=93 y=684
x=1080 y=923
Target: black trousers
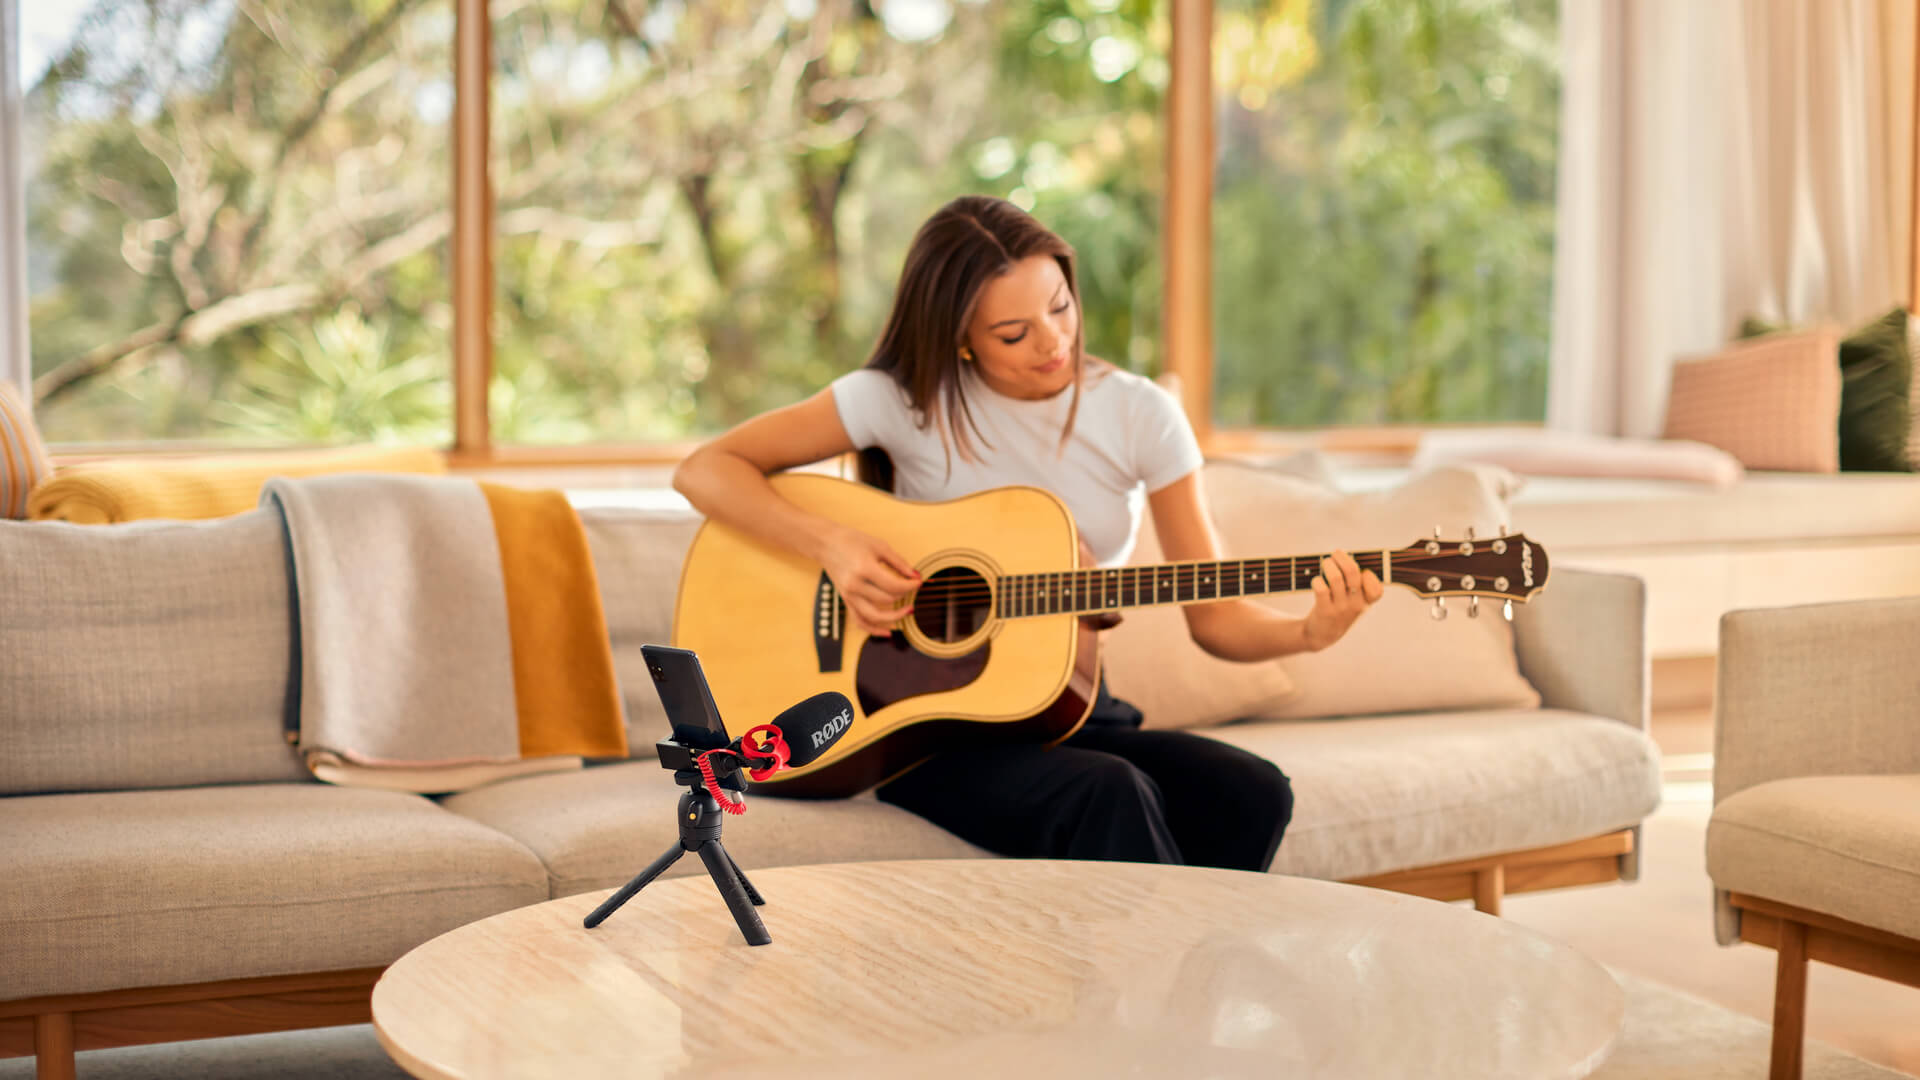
x=1112 y=791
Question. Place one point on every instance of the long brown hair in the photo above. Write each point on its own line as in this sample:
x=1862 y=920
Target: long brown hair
x=965 y=244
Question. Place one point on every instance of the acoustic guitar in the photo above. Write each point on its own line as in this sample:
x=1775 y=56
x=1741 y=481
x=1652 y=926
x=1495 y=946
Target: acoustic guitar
x=1001 y=641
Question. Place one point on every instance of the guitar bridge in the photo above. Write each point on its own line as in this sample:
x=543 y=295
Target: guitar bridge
x=829 y=624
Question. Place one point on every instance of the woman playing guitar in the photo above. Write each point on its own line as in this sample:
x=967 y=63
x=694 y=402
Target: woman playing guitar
x=981 y=380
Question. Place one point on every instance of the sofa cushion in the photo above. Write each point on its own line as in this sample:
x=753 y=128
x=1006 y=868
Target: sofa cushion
x=1774 y=402
x=145 y=655
x=1876 y=371
x=1396 y=658
x=152 y=888
x=598 y=828
x=24 y=462
x=1546 y=452
x=1847 y=846
x=1371 y=796
x=637 y=554
x=1386 y=793
x=1152 y=662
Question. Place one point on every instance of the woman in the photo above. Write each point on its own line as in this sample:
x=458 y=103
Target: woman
x=980 y=380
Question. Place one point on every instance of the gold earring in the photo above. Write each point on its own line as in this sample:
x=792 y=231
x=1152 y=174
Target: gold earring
x=966 y=355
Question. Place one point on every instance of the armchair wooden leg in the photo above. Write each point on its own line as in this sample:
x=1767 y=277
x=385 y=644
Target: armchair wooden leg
x=1489 y=886
x=53 y=1046
x=1789 y=1001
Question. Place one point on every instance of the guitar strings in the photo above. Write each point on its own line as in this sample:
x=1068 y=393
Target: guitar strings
x=940 y=597
x=1186 y=572
x=975 y=590
x=1186 y=575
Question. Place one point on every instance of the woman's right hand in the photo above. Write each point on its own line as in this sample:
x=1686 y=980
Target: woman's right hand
x=872 y=578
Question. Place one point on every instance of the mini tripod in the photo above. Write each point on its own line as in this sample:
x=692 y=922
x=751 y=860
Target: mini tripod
x=700 y=820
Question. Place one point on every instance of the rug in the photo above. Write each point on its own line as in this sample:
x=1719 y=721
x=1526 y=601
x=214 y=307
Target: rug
x=1668 y=1036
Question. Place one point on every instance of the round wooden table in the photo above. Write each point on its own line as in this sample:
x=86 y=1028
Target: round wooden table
x=1000 y=968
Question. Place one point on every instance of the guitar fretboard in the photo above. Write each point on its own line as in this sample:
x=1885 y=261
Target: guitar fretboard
x=1076 y=592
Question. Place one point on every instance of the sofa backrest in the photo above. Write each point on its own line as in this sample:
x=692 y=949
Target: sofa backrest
x=637 y=554
x=157 y=654
x=146 y=655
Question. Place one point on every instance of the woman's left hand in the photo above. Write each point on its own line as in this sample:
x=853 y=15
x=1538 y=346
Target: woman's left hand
x=1341 y=594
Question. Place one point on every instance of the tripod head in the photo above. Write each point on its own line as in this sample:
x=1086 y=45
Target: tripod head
x=679 y=757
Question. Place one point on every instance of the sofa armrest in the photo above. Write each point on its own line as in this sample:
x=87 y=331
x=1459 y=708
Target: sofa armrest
x=1816 y=690
x=1583 y=644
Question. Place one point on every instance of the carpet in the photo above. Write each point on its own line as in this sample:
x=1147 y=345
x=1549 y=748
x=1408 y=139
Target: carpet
x=1668 y=1036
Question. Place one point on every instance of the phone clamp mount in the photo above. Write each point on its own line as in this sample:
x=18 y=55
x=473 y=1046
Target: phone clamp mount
x=700 y=819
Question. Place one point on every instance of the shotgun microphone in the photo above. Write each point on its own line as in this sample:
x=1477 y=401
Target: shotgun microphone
x=805 y=731
x=814 y=725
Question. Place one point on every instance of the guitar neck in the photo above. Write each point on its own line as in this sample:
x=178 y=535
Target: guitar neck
x=1078 y=592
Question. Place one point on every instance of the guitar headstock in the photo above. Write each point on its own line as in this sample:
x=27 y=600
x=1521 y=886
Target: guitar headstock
x=1500 y=567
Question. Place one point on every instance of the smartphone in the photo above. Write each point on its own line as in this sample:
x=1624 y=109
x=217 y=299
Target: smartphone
x=682 y=687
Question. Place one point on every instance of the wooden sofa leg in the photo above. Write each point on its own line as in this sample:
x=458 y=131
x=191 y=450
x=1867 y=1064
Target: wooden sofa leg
x=1789 y=1001
x=1489 y=886
x=53 y=1046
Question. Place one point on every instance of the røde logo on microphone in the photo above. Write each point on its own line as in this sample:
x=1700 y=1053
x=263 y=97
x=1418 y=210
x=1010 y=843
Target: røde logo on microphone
x=833 y=729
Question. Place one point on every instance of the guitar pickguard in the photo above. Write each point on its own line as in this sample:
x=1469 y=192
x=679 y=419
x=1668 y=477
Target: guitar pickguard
x=890 y=670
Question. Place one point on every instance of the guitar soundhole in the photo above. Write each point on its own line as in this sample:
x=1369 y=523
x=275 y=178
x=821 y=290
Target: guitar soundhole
x=953 y=605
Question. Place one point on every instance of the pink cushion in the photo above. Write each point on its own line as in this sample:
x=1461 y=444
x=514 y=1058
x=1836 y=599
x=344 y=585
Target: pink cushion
x=1773 y=403
x=1539 y=452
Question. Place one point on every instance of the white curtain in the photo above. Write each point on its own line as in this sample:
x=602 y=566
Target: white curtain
x=16 y=364
x=1719 y=159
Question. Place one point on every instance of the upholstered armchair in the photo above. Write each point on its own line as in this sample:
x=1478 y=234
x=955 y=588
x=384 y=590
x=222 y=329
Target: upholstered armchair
x=1814 y=844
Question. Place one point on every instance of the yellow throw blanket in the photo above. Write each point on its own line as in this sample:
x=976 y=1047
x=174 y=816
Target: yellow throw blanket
x=450 y=632
x=209 y=486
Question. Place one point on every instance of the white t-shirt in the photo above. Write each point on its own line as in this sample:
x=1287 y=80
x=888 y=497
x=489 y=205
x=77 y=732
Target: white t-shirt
x=1129 y=438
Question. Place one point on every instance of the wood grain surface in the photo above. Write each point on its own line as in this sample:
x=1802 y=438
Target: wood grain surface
x=1000 y=968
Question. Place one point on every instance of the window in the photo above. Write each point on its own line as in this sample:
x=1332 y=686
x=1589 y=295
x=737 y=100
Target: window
x=239 y=210
x=238 y=218
x=1383 y=210
x=702 y=206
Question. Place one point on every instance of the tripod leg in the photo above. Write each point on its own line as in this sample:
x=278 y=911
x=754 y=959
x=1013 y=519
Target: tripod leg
x=753 y=894
x=720 y=868
x=626 y=892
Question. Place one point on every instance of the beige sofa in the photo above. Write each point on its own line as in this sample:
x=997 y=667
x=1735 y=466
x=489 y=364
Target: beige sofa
x=169 y=871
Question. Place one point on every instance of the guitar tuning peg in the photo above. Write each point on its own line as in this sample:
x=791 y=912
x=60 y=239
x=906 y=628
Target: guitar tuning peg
x=1473 y=608
x=1439 y=609
x=1506 y=610
x=1436 y=532
x=1503 y=529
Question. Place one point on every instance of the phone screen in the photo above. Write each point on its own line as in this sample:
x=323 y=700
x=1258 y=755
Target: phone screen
x=683 y=691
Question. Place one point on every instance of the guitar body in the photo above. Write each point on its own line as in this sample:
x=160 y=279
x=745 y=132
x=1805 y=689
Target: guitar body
x=771 y=630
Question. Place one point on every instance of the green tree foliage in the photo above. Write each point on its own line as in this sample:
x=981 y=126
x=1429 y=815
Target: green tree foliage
x=1383 y=212
x=239 y=209
x=337 y=379
x=767 y=165
x=209 y=177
